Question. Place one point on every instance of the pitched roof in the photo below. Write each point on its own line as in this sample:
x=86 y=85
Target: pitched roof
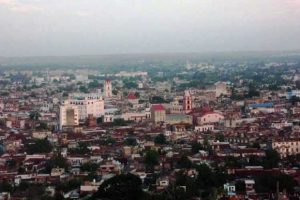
x=131 y=96
x=158 y=107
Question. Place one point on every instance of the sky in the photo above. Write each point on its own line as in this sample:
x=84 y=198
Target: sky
x=95 y=27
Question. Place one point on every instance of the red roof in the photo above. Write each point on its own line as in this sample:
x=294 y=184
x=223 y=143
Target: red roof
x=131 y=96
x=158 y=107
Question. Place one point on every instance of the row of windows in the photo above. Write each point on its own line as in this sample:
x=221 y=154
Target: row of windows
x=289 y=150
x=286 y=143
x=204 y=129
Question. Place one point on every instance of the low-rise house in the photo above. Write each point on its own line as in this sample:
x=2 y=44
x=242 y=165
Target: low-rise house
x=57 y=171
x=204 y=128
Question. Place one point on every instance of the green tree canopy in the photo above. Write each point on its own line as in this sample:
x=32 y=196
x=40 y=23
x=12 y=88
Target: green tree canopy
x=196 y=146
x=57 y=161
x=39 y=146
x=271 y=160
x=121 y=187
x=131 y=141
x=151 y=158
x=160 y=139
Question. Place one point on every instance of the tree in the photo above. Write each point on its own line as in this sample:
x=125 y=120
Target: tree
x=157 y=99
x=137 y=94
x=65 y=94
x=130 y=141
x=99 y=120
x=69 y=185
x=267 y=183
x=205 y=177
x=93 y=84
x=255 y=161
x=151 y=159
x=114 y=92
x=240 y=186
x=39 y=146
x=81 y=149
x=294 y=100
x=11 y=163
x=160 y=139
x=196 y=147
x=120 y=122
x=110 y=141
x=57 y=161
x=271 y=160
x=184 y=162
x=232 y=162
x=42 y=126
x=124 y=186
x=31 y=190
x=130 y=85
x=83 y=89
x=89 y=167
x=220 y=137
x=208 y=181
x=5 y=186
x=189 y=183
x=256 y=145
x=252 y=91
x=34 y=115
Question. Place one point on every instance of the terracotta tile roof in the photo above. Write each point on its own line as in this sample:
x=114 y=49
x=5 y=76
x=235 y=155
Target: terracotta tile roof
x=131 y=96
x=158 y=107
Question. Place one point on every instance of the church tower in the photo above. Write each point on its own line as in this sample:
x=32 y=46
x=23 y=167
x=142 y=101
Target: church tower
x=107 y=88
x=187 y=101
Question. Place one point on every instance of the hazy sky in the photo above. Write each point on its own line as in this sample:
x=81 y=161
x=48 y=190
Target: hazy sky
x=83 y=27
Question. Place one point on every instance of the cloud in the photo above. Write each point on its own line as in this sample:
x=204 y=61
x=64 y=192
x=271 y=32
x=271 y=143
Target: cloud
x=6 y=2
x=20 y=7
x=82 y=14
x=294 y=4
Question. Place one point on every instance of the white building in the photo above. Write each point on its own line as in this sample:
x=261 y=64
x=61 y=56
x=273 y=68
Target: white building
x=137 y=116
x=204 y=128
x=211 y=117
x=176 y=107
x=249 y=184
x=222 y=89
x=110 y=115
x=287 y=147
x=68 y=116
x=131 y=74
x=87 y=104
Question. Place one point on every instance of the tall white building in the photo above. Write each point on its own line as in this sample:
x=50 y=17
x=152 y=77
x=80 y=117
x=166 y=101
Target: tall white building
x=86 y=104
x=69 y=116
x=107 y=88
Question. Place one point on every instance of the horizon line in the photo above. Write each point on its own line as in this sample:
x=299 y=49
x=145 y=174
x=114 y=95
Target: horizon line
x=157 y=53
